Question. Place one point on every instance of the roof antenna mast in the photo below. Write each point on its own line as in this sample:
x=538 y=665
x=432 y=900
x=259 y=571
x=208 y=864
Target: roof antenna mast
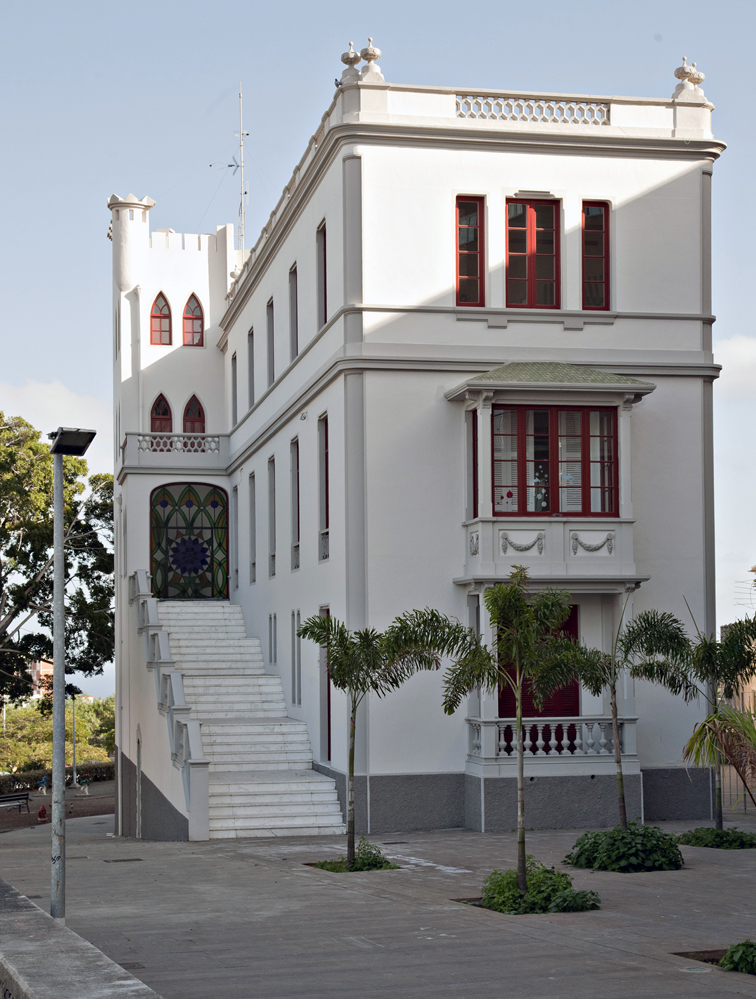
x=243 y=192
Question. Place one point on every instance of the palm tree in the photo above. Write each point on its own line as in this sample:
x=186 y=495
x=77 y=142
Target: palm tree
x=716 y=671
x=528 y=646
x=727 y=733
x=369 y=661
x=651 y=636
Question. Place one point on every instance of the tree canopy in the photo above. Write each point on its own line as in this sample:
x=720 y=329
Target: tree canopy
x=26 y=559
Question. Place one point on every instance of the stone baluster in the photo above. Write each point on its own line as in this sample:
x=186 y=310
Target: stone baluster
x=590 y=741
x=603 y=751
x=539 y=740
x=553 y=739
x=578 y=739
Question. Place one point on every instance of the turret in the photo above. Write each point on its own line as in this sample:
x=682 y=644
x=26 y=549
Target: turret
x=130 y=232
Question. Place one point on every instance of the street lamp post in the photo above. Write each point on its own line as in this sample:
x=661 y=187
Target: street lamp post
x=71 y=441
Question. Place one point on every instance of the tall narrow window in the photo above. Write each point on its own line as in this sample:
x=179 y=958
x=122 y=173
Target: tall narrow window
x=234 y=547
x=472 y=463
x=161 y=421
x=296 y=659
x=272 y=516
x=322 y=274
x=325 y=697
x=270 y=319
x=160 y=321
x=194 y=417
x=323 y=488
x=194 y=323
x=554 y=461
x=252 y=530
x=251 y=369
x=295 y=504
x=272 y=639
x=293 y=315
x=234 y=393
x=470 y=252
x=595 y=255
x=533 y=254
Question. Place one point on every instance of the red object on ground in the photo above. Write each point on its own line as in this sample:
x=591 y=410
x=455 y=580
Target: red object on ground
x=42 y=815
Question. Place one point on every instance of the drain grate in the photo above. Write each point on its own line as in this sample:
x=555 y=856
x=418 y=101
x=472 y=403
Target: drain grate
x=131 y=965
x=124 y=860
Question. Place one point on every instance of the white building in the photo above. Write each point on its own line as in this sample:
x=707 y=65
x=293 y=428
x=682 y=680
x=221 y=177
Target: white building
x=475 y=332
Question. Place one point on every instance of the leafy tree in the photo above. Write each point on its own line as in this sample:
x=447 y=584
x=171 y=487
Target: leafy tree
x=26 y=741
x=369 y=661
x=715 y=670
x=26 y=560
x=650 y=637
x=528 y=647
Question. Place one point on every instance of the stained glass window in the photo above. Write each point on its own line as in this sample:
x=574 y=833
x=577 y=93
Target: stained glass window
x=189 y=541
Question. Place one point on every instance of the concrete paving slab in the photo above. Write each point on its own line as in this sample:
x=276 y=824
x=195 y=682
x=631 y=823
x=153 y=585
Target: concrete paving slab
x=237 y=919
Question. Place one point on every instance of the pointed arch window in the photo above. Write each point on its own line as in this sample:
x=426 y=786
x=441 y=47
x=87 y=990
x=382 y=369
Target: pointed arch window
x=194 y=323
x=161 y=420
x=194 y=417
x=160 y=321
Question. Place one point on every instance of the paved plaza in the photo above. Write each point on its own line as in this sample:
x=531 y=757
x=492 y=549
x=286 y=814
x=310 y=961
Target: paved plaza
x=247 y=919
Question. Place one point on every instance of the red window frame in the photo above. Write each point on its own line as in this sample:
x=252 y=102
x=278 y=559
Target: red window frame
x=526 y=261
x=591 y=287
x=161 y=333
x=553 y=461
x=194 y=417
x=469 y=259
x=194 y=323
x=161 y=418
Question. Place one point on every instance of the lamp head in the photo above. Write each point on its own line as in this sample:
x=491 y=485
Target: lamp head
x=71 y=440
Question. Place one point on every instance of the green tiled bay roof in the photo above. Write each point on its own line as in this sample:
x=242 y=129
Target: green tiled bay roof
x=543 y=372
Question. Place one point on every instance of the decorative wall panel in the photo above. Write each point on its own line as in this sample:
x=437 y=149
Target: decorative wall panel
x=189 y=541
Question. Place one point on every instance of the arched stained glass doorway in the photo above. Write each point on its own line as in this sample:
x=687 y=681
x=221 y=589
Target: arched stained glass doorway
x=189 y=541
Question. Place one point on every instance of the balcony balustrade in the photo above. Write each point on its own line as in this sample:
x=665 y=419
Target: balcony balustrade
x=552 y=746
x=206 y=451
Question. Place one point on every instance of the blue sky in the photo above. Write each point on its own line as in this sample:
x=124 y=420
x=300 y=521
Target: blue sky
x=101 y=98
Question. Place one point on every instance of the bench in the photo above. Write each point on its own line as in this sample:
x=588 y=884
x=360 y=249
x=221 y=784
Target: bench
x=19 y=798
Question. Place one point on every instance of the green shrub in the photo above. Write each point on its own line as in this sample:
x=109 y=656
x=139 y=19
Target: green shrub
x=637 y=848
x=549 y=890
x=367 y=857
x=740 y=957
x=719 y=839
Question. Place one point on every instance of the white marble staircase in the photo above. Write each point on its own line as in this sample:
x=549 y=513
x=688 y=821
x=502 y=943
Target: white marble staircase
x=261 y=781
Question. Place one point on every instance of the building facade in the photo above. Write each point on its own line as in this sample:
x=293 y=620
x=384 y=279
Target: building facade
x=475 y=332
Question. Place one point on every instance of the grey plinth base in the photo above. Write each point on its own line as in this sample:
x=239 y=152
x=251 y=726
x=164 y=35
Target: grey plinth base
x=39 y=958
x=574 y=802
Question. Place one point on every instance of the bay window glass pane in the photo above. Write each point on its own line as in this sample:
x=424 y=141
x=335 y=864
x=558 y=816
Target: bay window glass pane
x=544 y=241
x=602 y=422
x=468 y=212
x=593 y=244
x=468 y=264
x=545 y=292
x=545 y=267
x=469 y=290
x=518 y=241
x=602 y=500
x=537 y=453
x=518 y=267
x=595 y=296
x=594 y=217
x=505 y=460
x=570 y=461
x=505 y=421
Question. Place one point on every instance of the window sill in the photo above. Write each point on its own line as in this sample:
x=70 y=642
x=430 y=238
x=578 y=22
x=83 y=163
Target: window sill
x=570 y=318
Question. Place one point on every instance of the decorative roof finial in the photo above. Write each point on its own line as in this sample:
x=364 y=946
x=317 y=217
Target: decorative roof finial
x=351 y=58
x=351 y=74
x=371 y=73
x=688 y=89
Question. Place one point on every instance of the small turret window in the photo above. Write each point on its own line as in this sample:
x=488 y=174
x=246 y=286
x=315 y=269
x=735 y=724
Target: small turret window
x=160 y=321
x=194 y=417
x=161 y=421
x=194 y=323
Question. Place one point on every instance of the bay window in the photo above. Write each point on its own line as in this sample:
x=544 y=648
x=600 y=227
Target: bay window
x=533 y=254
x=554 y=461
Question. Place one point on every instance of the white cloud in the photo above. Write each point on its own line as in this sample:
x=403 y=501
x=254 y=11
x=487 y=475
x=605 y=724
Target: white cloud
x=49 y=405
